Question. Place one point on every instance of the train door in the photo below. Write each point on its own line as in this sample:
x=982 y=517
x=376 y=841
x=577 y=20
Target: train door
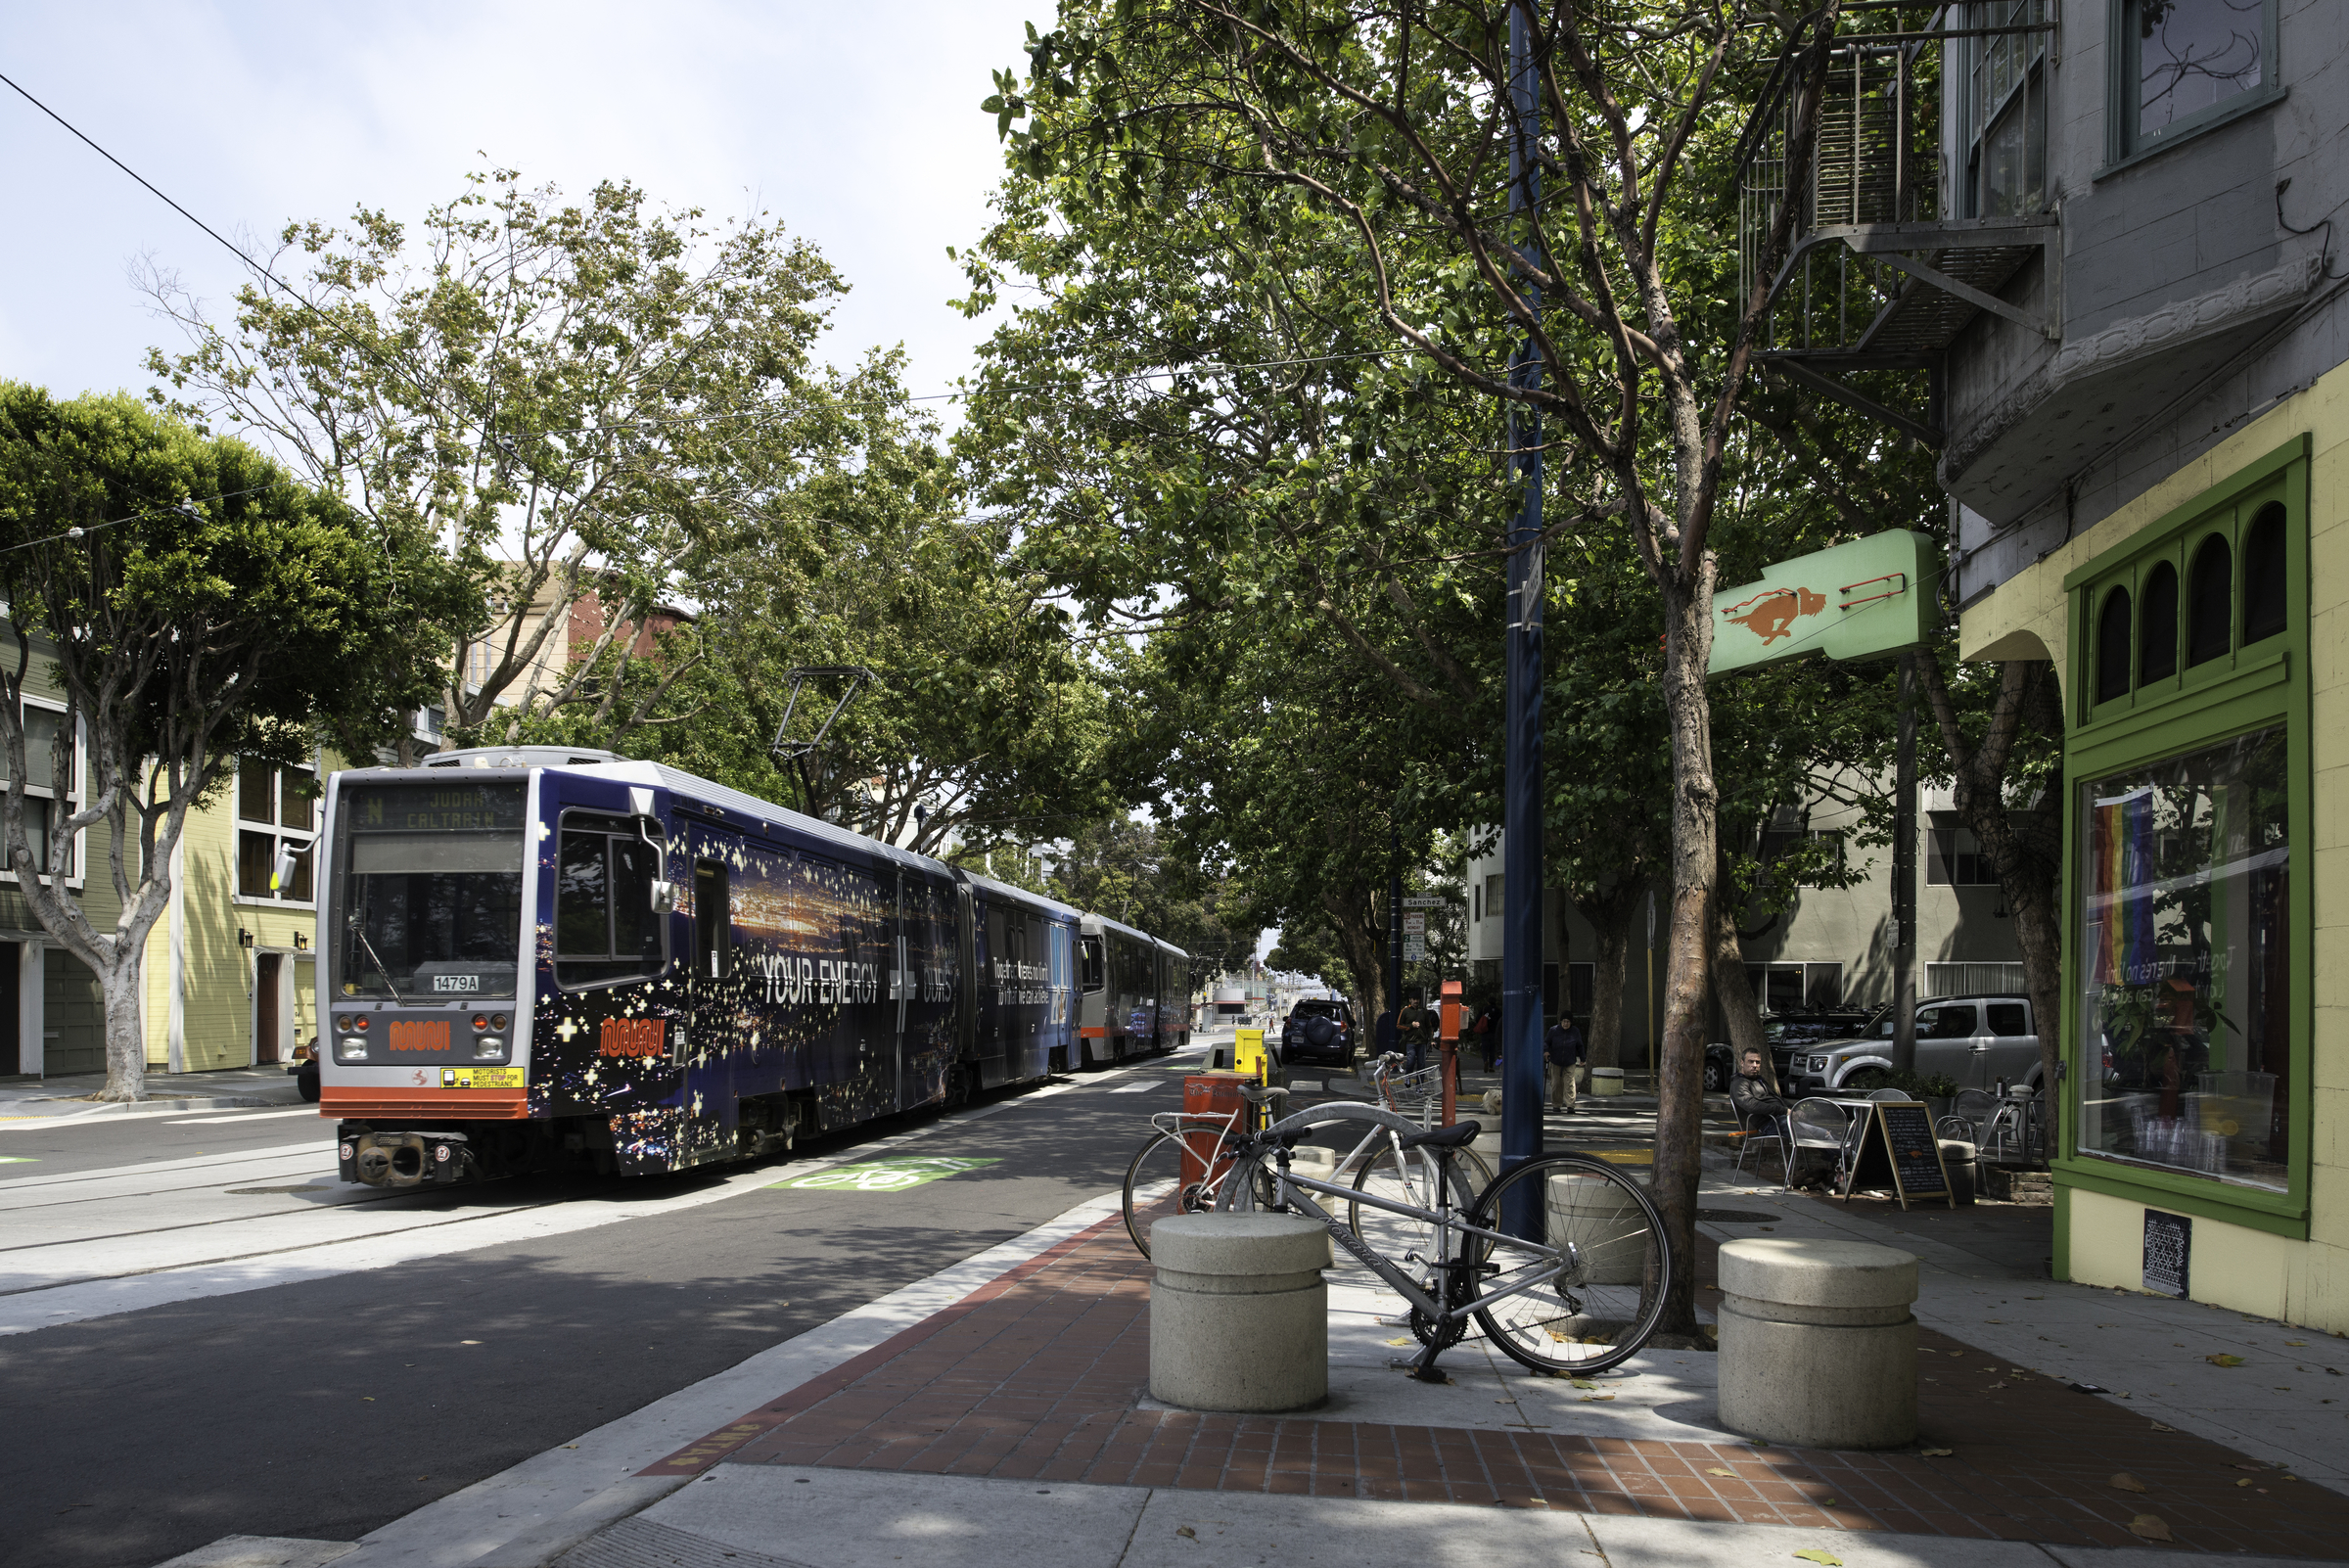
x=933 y=1036
x=709 y=993
x=901 y=995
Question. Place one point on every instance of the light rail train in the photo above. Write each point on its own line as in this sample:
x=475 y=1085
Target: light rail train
x=538 y=958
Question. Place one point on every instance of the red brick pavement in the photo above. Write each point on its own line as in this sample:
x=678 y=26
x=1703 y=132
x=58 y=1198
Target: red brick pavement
x=1039 y=1375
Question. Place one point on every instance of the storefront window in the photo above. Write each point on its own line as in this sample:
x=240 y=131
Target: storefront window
x=2183 y=962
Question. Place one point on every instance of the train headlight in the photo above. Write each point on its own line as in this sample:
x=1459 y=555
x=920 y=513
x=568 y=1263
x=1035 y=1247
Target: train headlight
x=498 y=1021
x=359 y=1023
x=481 y=1021
x=353 y=1050
x=490 y=1046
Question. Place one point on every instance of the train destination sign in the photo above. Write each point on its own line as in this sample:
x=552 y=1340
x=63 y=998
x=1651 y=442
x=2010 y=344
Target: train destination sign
x=1863 y=600
x=435 y=808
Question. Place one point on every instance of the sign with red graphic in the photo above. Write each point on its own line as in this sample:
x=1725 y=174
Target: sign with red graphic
x=1863 y=600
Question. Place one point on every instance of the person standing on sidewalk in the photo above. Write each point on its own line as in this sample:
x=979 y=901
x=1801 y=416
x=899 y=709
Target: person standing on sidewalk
x=1414 y=1026
x=1563 y=1050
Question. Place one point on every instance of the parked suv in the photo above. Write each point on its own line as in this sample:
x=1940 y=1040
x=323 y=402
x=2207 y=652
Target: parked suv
x=1295 y=1050
x=1974 y=1040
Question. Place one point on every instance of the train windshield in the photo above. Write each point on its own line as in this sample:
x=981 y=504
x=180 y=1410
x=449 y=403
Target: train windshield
x=428 y=891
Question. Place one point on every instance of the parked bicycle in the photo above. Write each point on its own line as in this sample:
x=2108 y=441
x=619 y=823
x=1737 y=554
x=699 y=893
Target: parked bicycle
x=1562 y=1261
x=1181 y=1166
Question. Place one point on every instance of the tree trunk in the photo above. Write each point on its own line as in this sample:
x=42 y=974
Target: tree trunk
x=2025 y=846
x=120 y=982
x=1610 y=915
x=1680 y=1086
x=2039 y=927
x=1363 y=942
x=1735 y=994
x=1606 y=993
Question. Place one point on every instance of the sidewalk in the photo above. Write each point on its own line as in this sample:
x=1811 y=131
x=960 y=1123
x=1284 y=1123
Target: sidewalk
x=227 y=1088
x=1009 y=1420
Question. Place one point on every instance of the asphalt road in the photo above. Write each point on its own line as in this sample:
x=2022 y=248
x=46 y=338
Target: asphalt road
x=326 y=1408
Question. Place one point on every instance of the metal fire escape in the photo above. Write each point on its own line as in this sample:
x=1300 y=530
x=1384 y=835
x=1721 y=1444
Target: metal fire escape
x=1878 y=276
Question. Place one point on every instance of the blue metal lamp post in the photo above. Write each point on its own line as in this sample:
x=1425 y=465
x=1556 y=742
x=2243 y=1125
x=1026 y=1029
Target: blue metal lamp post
x=1523 y=1085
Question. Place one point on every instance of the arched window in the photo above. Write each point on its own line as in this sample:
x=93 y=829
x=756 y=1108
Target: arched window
x=2112 y=646
x=2263 y=575
x=2158 y=625
x=2211 y=608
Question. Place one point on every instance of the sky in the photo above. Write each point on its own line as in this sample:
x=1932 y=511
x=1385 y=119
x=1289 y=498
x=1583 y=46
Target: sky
x=859 y=129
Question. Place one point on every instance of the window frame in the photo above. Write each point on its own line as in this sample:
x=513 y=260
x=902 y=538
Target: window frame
x=2124 y=144
x=555 y=958
x=276 y=832
x=2026 y=98
x=2246 y=689
x=1941 y=863
x=80 y=848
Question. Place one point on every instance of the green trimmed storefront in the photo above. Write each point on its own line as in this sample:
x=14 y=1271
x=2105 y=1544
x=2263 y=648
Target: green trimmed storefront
x=2198 y=636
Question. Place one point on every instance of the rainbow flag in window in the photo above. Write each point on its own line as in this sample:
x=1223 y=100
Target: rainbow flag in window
x=2120 y=861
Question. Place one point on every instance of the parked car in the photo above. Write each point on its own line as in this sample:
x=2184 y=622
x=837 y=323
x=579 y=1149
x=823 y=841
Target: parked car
x=1297 y=1047
x=1974 y=1040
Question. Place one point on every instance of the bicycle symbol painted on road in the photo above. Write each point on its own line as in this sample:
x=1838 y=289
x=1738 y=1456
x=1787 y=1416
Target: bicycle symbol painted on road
x=886 y=1175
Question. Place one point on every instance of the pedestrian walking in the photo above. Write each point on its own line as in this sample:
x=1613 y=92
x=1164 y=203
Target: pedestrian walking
x=1563 y=1049
x=1488 y=1034
x=1414 y=1025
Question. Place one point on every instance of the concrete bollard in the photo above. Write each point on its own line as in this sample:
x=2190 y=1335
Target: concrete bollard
x=1818 y=1347
x=1239 y=1314
x=1312 y=1159
x=1606 y=1081
x=1605 y=1222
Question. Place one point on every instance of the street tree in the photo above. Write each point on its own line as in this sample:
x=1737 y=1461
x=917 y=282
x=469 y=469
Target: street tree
x=592 y=406
x=981 y=721
x=1586 y=256
x=196 y=604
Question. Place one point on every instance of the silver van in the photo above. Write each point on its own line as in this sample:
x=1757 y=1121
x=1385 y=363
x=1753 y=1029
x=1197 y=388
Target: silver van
x=1974 y=1040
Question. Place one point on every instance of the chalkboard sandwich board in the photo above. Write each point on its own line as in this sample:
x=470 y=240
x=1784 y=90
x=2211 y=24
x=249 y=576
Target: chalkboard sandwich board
x=1896 y=1149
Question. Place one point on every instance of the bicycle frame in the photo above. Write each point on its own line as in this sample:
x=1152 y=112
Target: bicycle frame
x=1294 y=1190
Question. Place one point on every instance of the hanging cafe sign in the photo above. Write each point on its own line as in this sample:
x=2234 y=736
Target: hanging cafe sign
x=1863 y=600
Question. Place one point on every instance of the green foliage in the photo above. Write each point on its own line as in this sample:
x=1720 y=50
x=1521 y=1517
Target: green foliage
x=568 y=399
x=195 y=604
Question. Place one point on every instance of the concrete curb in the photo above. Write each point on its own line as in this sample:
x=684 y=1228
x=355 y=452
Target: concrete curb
x=75 y=1108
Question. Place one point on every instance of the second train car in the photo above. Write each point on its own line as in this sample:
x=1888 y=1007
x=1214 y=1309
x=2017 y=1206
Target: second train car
x=533 y=957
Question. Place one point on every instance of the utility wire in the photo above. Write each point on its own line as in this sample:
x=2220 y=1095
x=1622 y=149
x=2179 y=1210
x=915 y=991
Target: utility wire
x=481 y=425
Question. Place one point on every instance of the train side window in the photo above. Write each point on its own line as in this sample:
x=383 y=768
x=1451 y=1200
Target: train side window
x=1093 y=979
x=606 y=929
x=713 y=921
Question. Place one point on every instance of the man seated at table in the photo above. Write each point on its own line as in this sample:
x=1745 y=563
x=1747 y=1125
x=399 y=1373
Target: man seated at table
x=1756 y=1102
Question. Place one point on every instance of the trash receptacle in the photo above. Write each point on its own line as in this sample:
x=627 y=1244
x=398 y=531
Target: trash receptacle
x=1217 y=1095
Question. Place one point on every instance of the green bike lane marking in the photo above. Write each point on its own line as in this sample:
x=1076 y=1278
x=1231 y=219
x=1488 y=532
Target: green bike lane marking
x=893 y=1174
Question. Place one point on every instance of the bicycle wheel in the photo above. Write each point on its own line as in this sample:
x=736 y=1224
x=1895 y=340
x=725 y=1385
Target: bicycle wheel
x=1403 y=1175
x=1155 y=1182
x=1595 y=1276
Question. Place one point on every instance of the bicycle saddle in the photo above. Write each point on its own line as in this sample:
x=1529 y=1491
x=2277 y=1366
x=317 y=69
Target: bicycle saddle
x=1263 y=1097
x=1458 y=1136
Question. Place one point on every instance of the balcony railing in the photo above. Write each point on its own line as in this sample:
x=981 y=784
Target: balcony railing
x=1879 y=274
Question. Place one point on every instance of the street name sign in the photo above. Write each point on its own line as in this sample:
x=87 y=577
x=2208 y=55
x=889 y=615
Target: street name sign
x=1863 y=600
